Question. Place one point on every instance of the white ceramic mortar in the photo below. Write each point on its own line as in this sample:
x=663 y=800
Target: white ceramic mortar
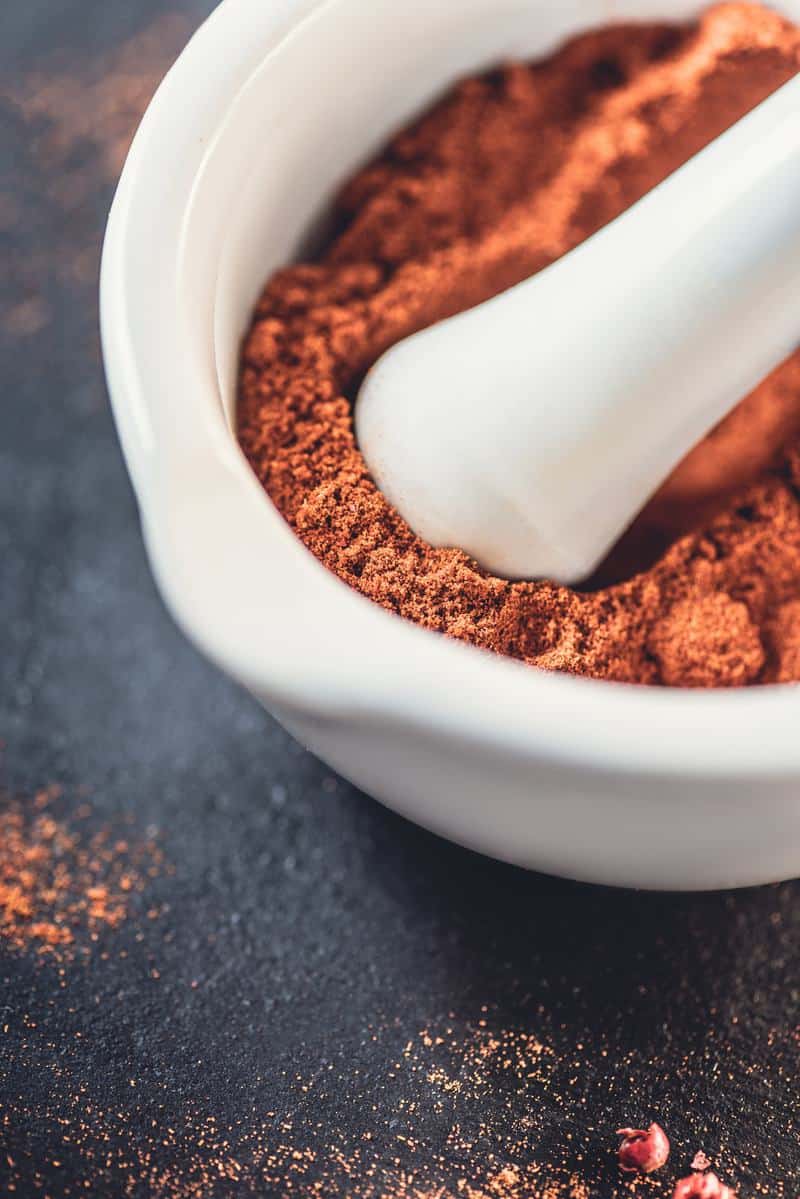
x=268 y=109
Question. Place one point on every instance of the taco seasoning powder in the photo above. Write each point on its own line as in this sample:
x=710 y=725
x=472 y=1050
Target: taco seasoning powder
x=503 y=176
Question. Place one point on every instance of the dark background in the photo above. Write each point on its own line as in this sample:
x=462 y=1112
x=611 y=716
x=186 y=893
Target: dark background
x=312 y=997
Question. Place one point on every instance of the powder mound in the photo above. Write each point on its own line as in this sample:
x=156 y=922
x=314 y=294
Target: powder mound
x=710 y=642
x=507 y=173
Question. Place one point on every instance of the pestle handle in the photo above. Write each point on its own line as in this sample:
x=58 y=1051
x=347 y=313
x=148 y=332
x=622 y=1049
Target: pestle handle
x=529 y=431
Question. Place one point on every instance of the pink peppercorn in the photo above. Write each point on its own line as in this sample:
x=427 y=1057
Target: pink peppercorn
x=643 y=1150
x=702 y=1186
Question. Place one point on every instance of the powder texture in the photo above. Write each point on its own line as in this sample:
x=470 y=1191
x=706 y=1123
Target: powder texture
x=507 y=173
x=467 y=1109
x=63 y=886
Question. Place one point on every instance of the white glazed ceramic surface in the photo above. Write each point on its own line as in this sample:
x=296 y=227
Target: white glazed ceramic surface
x=267 y=110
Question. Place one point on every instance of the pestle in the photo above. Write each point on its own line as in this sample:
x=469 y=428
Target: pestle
x=529 y=431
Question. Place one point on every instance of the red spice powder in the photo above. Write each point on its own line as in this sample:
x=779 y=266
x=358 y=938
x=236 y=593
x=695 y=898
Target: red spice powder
x=62 y=885
x=468 y=1109
x=507 y=173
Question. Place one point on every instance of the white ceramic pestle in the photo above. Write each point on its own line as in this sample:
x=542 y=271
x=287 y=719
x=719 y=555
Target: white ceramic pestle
x=529 y=431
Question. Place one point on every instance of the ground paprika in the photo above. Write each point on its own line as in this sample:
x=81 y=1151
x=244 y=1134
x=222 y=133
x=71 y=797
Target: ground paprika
x=505 y=174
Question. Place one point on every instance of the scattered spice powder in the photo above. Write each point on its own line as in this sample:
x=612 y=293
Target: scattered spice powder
x=80 y=110
x=423 y=1130
x=452 y=1069
x=507 y=173
x=62 y=885
x=95 y=102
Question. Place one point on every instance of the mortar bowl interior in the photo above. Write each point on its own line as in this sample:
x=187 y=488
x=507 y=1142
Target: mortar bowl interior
x=262 y=118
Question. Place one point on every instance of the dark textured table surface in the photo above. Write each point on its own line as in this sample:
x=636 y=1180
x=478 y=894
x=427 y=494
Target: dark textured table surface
x=222 y=970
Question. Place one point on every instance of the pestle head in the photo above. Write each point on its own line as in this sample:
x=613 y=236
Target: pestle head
x=531 y=430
